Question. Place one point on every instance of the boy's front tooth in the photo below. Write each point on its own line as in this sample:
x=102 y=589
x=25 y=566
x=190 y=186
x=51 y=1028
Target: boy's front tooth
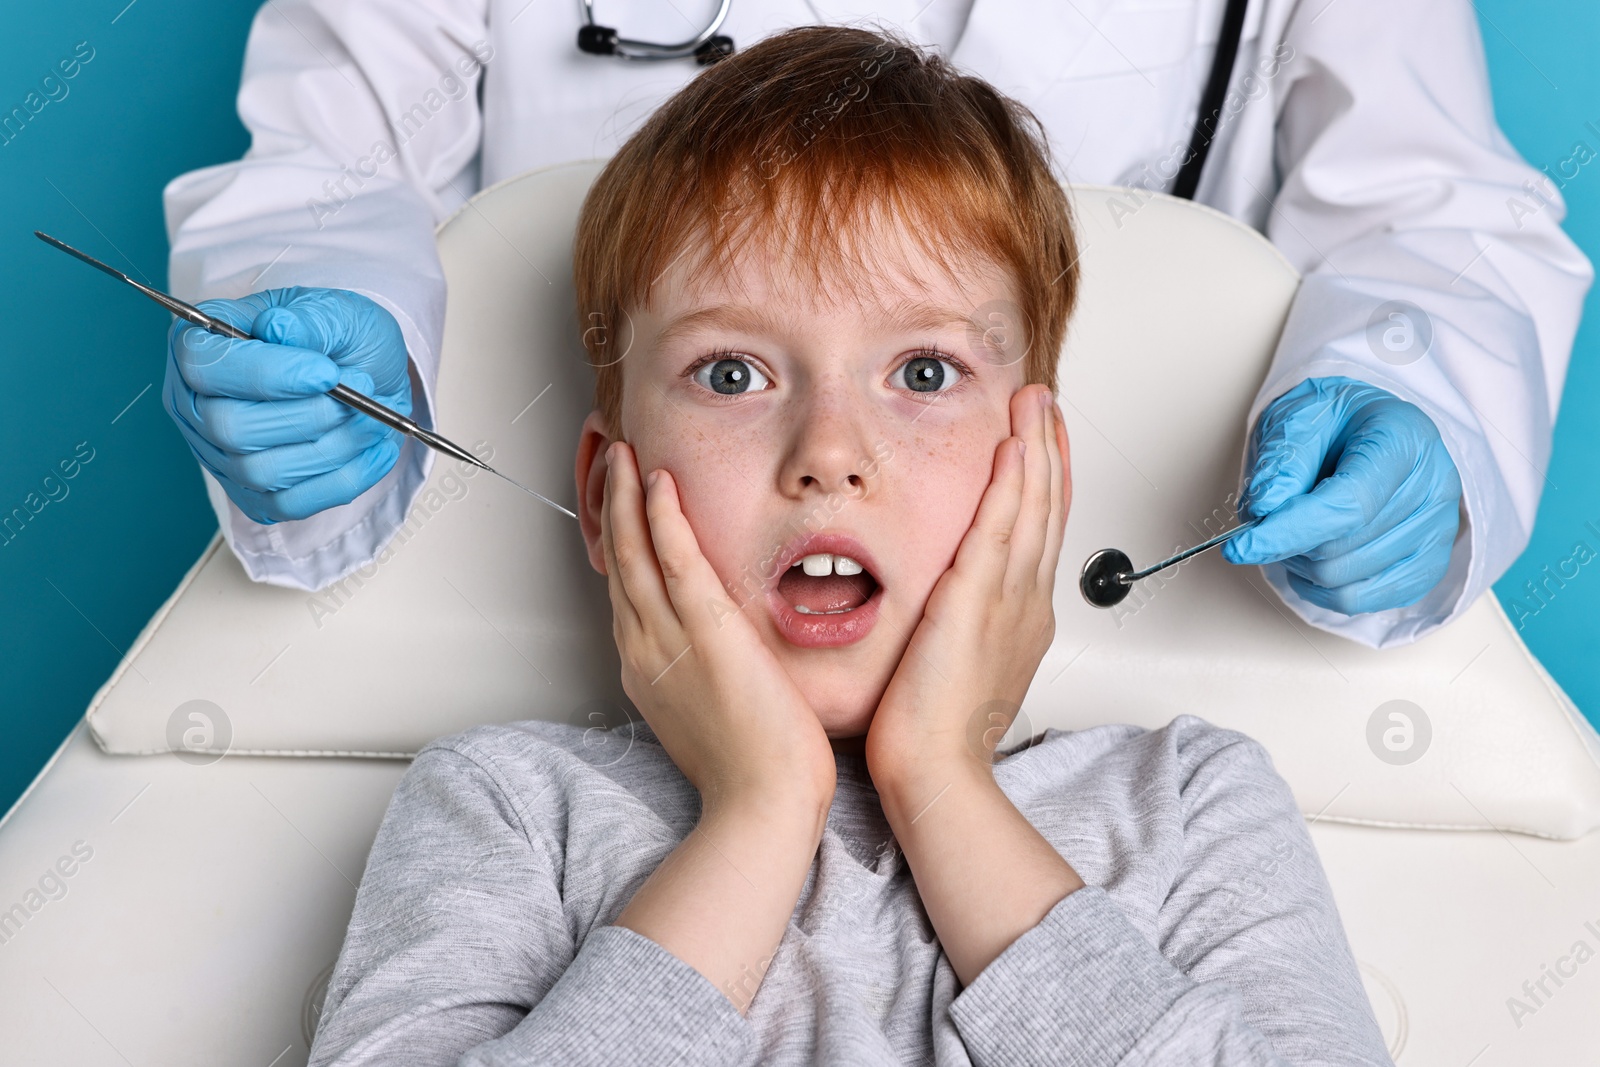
x=818 y=564
x=845 y=565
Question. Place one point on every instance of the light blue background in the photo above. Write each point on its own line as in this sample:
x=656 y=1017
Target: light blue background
x=157 y=99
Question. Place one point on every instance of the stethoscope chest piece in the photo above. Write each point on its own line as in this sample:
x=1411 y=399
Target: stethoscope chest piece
x=1103 y=582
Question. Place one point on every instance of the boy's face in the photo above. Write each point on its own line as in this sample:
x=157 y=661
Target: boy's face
x=784 y=412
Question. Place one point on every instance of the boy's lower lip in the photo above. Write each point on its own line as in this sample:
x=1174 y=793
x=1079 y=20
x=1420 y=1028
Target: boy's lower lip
x=824 y=631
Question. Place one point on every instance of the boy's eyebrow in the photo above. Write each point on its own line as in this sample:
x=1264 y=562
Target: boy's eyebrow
x=909 y=316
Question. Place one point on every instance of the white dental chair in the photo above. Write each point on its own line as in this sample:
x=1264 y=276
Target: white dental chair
x=164 y=903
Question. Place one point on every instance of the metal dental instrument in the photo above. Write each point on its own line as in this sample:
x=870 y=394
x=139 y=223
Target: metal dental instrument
x=1108 y=575
x=362 y=403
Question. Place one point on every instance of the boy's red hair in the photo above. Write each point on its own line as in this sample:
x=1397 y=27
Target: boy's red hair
x=805 y=137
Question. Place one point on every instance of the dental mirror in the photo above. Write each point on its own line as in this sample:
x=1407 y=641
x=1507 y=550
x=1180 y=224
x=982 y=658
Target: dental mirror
x=1108 y=575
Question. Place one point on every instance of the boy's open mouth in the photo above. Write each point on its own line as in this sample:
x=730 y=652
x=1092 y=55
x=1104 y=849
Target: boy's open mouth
x=827 y=593
x=826 y=584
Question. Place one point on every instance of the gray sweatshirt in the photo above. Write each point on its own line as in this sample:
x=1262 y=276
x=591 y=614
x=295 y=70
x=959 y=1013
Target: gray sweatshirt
x=1206 y=932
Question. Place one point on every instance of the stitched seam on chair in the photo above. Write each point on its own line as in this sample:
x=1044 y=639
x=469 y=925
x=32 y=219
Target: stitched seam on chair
x=149 y=631
x=1550 y=684
x=1452 y=827
x=55 y=757
x=311 y=753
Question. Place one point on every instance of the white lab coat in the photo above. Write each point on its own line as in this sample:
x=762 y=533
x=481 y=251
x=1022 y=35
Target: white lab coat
x=1360 y=137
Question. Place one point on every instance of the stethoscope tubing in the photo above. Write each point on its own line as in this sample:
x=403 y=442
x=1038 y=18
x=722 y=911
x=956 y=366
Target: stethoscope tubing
x=654 y=50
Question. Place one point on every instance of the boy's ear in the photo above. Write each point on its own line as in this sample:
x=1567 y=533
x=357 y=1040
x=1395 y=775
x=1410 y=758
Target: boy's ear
x=589 y=470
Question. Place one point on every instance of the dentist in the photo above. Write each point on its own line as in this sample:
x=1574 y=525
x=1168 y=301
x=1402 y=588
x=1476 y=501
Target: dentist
x=1399 y=440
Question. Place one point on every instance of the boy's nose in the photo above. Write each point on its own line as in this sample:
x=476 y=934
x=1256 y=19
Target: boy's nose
x=831 y=452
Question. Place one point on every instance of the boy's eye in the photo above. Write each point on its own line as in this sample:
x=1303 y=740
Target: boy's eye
x=730 y=377
x=928 y=374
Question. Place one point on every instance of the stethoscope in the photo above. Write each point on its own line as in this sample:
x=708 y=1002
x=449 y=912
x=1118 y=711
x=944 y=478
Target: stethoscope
x=706 y=47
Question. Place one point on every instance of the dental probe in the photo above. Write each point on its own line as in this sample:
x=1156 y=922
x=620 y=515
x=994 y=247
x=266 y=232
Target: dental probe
x=1108 y=575
x=362 y=403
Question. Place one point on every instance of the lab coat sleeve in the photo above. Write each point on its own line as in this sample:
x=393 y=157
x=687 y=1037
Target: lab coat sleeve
x=460 y=951
x=365 y=127
x=1396 y=184
x=1250 y=966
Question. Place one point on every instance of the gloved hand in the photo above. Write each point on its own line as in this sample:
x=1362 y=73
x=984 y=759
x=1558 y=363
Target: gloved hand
x=257 y=415
x=1359 y=492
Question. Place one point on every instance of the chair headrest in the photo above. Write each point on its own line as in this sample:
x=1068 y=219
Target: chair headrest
x=486 y=609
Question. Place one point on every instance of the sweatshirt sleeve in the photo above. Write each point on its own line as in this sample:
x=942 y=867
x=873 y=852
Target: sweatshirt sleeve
x=459 y=950
x=1252 y=968
x=365 y=130
x=1397 y=193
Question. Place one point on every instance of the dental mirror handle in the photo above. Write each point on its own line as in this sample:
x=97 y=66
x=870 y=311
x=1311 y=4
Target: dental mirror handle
x=1186 y=553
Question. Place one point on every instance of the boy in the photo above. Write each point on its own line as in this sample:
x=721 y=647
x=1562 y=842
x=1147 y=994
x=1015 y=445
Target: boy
x=826 y=285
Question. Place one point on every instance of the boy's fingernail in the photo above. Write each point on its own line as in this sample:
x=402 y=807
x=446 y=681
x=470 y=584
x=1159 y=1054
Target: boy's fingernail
x=650 y=479
x=1022 y=448
x=1045 y=399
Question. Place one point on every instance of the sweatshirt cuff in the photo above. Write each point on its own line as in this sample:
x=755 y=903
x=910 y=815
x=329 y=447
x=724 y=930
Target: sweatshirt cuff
x=624 y=999
x=1081 y=987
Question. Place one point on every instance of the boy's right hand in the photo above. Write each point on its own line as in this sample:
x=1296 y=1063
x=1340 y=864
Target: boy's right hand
x=721 y=704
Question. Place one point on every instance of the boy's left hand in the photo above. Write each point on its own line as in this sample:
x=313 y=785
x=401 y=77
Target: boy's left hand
x=990 y=618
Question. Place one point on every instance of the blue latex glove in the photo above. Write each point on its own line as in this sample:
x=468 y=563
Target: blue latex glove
x=256 y=413
x=1359 y=492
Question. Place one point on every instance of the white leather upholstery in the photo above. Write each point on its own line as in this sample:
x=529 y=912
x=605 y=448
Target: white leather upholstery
x=203 y=926
x=491 y=611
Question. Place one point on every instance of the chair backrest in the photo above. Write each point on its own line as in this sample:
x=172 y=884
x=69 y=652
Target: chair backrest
x=485 y=607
